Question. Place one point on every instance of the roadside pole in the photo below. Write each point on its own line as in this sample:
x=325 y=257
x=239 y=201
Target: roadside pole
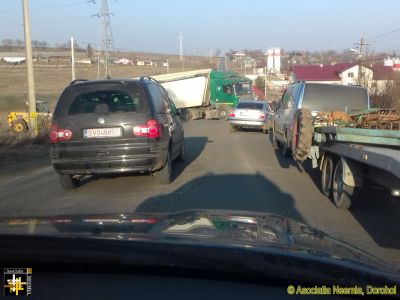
x=72 y=58
x=29 y=68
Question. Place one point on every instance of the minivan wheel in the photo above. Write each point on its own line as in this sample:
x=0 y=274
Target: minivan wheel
x=181 y=156
x=68 y=181
x=285 y=149
x=164 y=176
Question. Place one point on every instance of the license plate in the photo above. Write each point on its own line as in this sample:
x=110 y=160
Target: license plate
x=102 y=132
x=245 y=114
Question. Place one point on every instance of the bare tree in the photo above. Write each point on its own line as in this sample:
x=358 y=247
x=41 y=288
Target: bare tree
x=89 y=51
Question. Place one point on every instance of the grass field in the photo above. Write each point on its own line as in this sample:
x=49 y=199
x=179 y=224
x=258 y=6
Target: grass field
x=50 y=80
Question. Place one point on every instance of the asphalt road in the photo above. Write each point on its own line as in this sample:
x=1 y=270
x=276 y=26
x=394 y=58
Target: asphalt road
x=223 y=170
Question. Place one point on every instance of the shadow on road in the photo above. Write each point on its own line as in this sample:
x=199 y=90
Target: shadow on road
x=285 y=162
x=228 y=192
x=378 y=213
x=194 y=147
x=374 y=209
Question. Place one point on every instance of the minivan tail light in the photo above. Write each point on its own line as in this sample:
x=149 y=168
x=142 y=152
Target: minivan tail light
x=232 y=113
x=58 y=134
x=151 y=129
x=262 y=116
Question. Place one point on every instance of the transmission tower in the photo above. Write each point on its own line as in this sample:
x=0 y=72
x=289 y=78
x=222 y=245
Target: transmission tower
x=105 y=41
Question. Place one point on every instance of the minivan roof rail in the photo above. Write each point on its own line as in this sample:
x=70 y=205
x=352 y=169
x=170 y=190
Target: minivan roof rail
x=148 y=78
x=77 y=81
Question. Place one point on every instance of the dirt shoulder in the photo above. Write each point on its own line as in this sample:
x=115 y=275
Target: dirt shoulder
x=23 y=153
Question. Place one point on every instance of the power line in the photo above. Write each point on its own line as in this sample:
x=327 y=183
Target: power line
x=47 y=22
x=383 y=34
x=42 y=7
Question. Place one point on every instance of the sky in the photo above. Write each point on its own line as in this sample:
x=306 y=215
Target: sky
x=154 y=25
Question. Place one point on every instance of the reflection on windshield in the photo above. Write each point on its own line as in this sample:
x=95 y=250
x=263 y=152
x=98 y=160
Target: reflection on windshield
x=242 y=88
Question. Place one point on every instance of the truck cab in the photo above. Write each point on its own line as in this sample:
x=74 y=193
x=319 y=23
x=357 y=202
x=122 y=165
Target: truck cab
x=227 y=88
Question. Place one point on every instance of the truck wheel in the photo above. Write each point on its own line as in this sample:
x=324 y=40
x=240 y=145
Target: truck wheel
x=68 y=182
x=189 y=115
x=341 y=192
x=19 y=126
x=165 y=174
x=302 y=134
x=222 y=113
x=327 y=175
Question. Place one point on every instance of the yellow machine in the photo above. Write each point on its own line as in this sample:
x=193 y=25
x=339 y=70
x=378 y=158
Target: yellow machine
x=19 y=122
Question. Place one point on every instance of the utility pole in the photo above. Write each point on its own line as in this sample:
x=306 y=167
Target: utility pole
x=72 y=58
x=361 y=50
x=29 y=69
x=167 y=66
x=180 y=46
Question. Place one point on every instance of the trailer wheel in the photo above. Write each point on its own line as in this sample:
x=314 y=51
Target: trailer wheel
x=302 y=134
x=327 y=175
x=341 y=192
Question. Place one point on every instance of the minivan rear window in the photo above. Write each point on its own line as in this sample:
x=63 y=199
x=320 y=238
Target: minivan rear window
x=102 y=98
x=324 y=97
x=247 y=105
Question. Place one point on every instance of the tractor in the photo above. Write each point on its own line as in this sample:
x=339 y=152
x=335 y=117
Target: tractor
x=19 y=122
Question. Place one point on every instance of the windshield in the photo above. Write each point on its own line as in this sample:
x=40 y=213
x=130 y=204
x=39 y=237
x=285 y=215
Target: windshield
x=167 y=122
x=242 y=89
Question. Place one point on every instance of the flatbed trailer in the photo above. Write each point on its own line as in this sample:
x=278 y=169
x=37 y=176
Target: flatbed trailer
x=348 y=157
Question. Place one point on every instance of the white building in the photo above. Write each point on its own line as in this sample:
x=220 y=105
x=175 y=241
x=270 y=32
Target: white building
x=273 y=60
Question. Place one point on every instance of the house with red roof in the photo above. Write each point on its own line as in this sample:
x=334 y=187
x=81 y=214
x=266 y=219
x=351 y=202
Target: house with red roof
x=343 y=73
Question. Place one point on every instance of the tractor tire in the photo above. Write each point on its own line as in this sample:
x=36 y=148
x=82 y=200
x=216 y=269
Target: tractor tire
x=19 y=127
x=302 y=134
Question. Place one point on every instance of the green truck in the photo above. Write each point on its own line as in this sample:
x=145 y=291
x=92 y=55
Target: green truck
x=206 y=93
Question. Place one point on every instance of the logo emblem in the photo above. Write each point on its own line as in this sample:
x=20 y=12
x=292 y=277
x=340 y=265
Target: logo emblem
x=17 y=281
x=101 y=120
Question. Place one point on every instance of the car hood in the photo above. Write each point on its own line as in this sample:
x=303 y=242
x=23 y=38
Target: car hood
x=259 y=231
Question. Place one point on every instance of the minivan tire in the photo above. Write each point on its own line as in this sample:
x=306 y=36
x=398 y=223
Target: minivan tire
x=181 y=156
x=164 y=176
x=68 y=182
